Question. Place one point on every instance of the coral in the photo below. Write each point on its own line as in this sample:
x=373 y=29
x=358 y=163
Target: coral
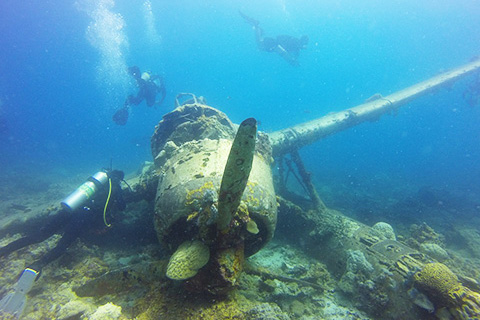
x=252 y=227
x=467 y=304
x=198 y=195
x=231 y=263
x=318 y=273
x=221 y=310
x=424 y=233
x=356 y=262
x=437 y=281
x=434 y=251
x=242 y=215
x=384 y=231
x=373 y=296
x=187 y=260
x=348 y=283
x=167 y=303
x=371 y=289
x=443 y=288
x=201 y=204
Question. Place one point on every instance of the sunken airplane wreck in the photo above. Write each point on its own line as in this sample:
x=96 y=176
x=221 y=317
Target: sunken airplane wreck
x=212 y=192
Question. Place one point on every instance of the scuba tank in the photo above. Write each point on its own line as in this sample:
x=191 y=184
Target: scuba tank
x=85 y=192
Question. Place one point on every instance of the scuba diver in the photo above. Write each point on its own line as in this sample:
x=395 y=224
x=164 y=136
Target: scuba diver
x=287 y=47
x=149 y=85
x=81 y=211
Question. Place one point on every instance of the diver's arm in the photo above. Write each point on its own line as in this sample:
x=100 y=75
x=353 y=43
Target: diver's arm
x=248 y=19
x=256 y=27
x=259 y=38
x=135 y=100
x=287 y=56
x=161 y=89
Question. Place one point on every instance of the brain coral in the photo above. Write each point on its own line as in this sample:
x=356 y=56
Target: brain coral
x=187 y=260
x=384 y=230
x=437 y=281
x=442 y=286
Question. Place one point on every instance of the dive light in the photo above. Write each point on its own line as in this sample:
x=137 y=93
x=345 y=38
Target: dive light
x=83 y=193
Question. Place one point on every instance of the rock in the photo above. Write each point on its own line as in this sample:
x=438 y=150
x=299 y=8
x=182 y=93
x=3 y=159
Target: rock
x=297 y=308
x=333 y=311
x=356 y=262
x=108 y=311
x=73 y=309
x=267 y=311
x=421 y=300
x=348 y=283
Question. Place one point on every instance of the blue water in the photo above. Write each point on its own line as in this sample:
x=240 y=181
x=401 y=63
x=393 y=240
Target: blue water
x=63 y=74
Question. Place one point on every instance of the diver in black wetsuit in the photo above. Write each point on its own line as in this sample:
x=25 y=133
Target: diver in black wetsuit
x=287 y=47
x=83 y=213
x=73 y=223
x=149 y=86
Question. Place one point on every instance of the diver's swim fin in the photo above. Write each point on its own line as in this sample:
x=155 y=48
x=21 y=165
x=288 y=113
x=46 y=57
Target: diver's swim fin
x=12 y=304
x=121 y=116
x=248 y=19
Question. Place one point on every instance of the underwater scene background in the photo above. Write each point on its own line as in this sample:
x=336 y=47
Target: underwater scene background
x=64 y=73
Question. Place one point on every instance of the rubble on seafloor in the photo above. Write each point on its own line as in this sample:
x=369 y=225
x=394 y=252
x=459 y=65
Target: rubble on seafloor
x=92 y=281
x=121 y=275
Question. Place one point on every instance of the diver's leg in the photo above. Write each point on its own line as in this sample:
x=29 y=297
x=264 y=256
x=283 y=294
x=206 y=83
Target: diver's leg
x=53 y=254
x=163 y=94
x=20 y=243
x=259 y=38
x=54 y=224
x=135 y=100
x=150 y=101
x=248 y=19
x=150 y=94
x=256 y=27
x=74 y=227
